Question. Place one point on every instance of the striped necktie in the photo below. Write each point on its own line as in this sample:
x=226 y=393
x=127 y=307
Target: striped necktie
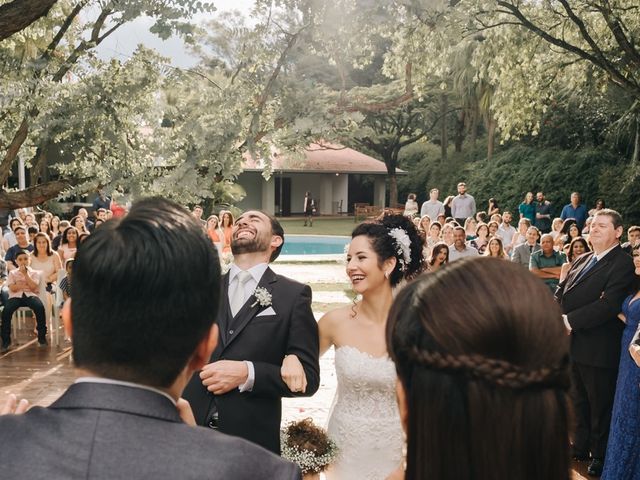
x=586 y=268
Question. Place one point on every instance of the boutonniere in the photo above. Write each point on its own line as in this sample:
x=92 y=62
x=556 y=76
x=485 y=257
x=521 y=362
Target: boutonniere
x=263 y=297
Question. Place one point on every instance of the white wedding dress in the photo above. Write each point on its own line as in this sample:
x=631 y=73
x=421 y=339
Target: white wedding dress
x=364 y=422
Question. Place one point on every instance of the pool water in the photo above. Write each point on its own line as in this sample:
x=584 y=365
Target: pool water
x=314 y=245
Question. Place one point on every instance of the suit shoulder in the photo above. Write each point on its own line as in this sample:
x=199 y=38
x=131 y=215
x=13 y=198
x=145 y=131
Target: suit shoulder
x=290 y=283
x=239 y=455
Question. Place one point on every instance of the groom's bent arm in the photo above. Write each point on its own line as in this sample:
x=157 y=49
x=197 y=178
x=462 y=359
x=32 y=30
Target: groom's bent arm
x=303 y=342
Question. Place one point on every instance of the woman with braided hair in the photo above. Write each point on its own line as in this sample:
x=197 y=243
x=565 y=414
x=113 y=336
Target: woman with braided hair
x=482 y=384
x=364 y=422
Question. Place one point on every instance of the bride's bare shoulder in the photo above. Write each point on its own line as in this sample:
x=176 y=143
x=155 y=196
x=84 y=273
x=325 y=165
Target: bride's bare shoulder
x=336 y=315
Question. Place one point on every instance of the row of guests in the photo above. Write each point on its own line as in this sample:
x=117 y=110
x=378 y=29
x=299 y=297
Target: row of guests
x=219 y=228
x=537 y=209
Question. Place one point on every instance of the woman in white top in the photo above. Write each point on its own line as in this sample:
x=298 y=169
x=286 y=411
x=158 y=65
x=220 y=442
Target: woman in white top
x=411 y=208
x=521 y=234
x=9 y=239
x=68 y=244
x=364 y=421
x=43 y=258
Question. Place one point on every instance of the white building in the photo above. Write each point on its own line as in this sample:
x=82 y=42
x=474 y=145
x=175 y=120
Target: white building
x=324 y=172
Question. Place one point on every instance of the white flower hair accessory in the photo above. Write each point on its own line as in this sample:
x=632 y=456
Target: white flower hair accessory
x=263 y=297
x=403 y=246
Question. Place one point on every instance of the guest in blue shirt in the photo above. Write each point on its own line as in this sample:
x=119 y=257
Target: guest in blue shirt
x=576 y=210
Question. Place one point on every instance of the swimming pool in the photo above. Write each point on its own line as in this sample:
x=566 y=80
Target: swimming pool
x=314 y=245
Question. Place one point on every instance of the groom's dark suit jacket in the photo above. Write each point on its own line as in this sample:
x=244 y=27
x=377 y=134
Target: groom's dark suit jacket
x=103 y=431
x=263 y=340
x=592 y=303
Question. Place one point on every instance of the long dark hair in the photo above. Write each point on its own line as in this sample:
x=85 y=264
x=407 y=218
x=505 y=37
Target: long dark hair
x=482 y=376
x=386 y=246
x=435 y=251
x=577 y=240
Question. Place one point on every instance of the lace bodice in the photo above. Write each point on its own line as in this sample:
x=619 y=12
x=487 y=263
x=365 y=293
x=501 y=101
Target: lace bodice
x=365 y=423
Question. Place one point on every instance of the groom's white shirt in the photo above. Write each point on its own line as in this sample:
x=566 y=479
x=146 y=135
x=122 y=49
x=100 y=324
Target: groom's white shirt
x=257 y=271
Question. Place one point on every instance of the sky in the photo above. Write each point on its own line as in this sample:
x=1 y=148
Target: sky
x=124 y=41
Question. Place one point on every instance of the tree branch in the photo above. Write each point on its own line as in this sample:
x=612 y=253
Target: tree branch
x=32 y=195
x=19 y=14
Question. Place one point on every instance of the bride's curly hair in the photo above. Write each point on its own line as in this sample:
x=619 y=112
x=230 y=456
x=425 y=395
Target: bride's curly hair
x=386 y=246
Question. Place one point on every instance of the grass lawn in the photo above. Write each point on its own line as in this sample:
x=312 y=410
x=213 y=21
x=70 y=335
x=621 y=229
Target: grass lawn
x=321 y=226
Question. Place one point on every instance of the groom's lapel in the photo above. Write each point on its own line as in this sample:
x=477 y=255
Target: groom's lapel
x=224 y=312
x=249 y=309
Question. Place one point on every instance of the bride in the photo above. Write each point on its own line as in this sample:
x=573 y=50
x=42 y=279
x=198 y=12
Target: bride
x=364 y=422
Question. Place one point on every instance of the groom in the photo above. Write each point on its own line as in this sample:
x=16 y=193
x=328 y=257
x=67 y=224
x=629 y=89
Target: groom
x=263 y=317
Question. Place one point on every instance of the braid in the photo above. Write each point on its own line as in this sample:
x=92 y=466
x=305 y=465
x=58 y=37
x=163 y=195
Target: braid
x=498 y=372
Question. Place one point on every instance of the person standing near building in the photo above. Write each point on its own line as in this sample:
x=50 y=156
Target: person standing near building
x=432 y=207
x=463 y=205
x=309 y=209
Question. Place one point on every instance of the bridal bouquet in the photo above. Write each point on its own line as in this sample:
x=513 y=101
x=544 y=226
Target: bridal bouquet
x=308 y=446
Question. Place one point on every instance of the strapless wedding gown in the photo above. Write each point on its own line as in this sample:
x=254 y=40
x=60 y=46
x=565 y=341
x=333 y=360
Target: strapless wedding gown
x=364 y=422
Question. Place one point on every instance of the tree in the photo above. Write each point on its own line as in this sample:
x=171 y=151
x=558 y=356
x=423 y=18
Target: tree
x=50 y=60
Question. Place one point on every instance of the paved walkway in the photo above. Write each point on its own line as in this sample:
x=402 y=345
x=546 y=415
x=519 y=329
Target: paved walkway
x=42 y=374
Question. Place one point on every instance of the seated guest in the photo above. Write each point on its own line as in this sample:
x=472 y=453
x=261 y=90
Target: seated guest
x=65 y=283
x=45 y=260
x=21 y=245
x=142 y=322
x=24 y=286
x=69 y=244
x=521 y=234
x=522 y=253
x=4 y=291
x=55 y=243
x=633 y=239
x=495 y=248
x=439 y=257
x=459 y=248
x=478 y=376
x=546 y=263
x=481 y=239
x=32 y=232
x=577 y=247
x=9 y=238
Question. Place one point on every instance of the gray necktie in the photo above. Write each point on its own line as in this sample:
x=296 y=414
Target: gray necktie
x=238 y=296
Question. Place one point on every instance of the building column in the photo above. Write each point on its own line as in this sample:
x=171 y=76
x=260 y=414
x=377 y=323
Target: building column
x=269 y=195
x=379 y=190
x=326 y=194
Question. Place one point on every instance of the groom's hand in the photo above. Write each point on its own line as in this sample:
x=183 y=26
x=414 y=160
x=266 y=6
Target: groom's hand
x=224 y=375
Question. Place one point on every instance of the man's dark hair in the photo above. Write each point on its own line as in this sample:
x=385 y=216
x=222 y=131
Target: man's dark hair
x=20 y=227
x=141 y=304
x=276 y=229
x=32 y=230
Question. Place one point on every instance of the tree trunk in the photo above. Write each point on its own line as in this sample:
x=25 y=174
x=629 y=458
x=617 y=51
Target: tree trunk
x=19 y=14
x=491 y=136
x=32 y=196
x=458 y=139
x=474 y=126
x=393 y=190
x=444 y=140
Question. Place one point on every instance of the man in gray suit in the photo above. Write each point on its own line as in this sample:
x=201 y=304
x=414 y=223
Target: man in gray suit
x=522 y=253
x=145 y=295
